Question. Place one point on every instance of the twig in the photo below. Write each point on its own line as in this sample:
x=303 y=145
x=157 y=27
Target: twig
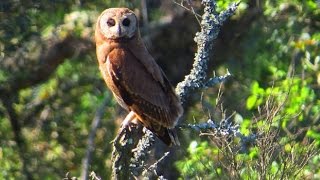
x=224 y=128
x=145 y=20
x=153 y=168
x=47 y=62
x=94 y=176
x=196 y=15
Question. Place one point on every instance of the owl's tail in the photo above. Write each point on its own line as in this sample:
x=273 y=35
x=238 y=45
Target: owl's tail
x=166 y=135
x=173 y=137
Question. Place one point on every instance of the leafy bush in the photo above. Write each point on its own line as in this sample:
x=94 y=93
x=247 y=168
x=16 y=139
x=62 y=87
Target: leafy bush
x=282 y=139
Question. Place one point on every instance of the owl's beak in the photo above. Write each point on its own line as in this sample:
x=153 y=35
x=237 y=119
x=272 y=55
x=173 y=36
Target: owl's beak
x=119 y=33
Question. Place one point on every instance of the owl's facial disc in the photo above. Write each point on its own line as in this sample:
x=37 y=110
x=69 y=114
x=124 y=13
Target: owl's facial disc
x=114 y=26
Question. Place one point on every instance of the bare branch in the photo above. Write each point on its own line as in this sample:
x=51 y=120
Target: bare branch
x=90 y=144
x=48 y=62
x=16 y=127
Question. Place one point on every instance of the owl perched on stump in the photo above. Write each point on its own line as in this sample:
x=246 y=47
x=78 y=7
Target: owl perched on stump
x=135 y=79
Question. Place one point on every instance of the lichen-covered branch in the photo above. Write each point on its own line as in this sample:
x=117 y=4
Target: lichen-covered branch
x=224 y=128
x=216 y=80
x=141 y=152
x=123 y=146
x=210 y=26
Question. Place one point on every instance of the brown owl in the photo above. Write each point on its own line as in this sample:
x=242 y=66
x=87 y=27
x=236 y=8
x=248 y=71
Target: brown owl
x=136 y=81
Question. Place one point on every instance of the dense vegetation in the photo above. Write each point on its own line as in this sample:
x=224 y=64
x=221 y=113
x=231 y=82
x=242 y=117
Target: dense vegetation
x=50 y=89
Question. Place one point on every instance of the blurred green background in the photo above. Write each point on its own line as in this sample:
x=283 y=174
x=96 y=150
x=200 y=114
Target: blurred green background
x=50 y=87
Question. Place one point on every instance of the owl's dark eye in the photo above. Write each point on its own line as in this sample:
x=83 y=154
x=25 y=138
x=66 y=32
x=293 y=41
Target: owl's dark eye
x=111 y=22
x=126 y=22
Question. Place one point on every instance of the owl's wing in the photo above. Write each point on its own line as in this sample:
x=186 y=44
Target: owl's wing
x=139 y=50
x=153 y=102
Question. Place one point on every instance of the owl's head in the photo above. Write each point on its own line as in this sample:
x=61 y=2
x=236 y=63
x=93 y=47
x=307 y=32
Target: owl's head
x=117 y=23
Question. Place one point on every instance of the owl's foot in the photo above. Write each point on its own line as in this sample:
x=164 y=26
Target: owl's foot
x=128 y=121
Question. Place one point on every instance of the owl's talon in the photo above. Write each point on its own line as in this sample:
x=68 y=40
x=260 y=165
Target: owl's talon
x=125 y=125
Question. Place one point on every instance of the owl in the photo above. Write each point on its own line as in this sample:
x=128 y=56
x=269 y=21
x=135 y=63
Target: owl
x=130 y=72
